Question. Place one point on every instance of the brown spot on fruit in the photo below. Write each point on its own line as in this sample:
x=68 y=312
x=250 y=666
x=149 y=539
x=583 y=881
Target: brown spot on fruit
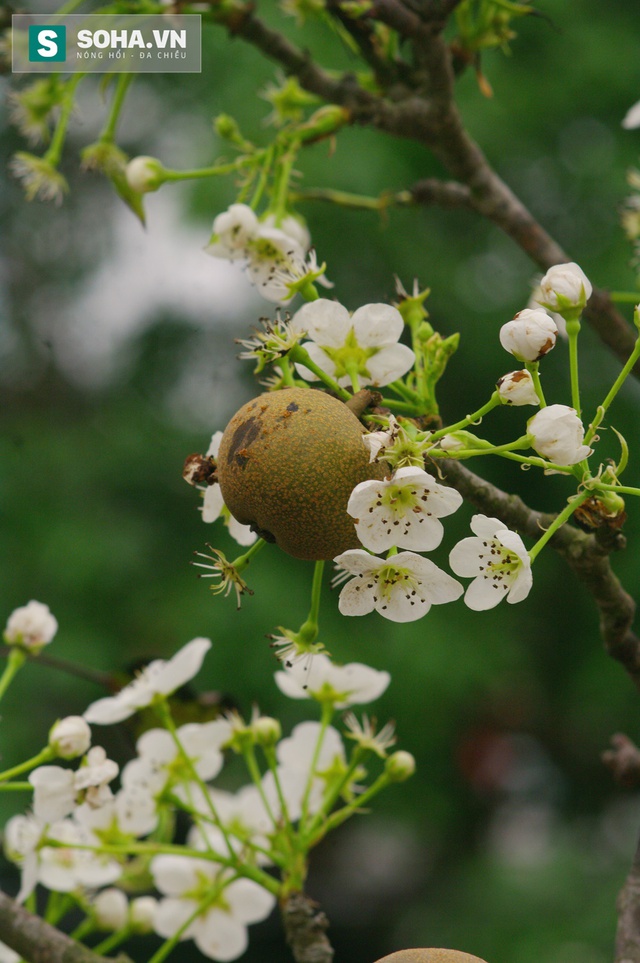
x=287 y=464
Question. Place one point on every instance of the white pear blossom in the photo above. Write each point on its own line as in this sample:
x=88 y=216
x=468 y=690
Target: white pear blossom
x=160 y=763
x=364 y=344
x=340 y=685
x=64 y=869
x=403 y=510
x=57 y=791
x=565 y=286
x=401 y=588
x=269 y=251
x=530 y=335
x=631 y=119
x=293 y=227
x=309 y=760
x=498 y=562
x=110 y=909
x=133 y=811
x=70 y=737
x=232 y=232
x=246 y=820
x=213 y=506
x=517 y=388
x=557 y=433
x=158 y=679
x=31 y=626
x=219 y=929
x=22 y=836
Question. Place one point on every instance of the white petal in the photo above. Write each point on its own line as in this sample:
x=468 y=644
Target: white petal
x=326 y=322
x=465 y=557
x=182 y=667
x=214 y=444
x=108 y=711
x=521 y=585
x=317 y=355
x=377 y=324
x=389 y=364
x=242 y=534
x=486 y=527
x=356 y=598
x=400 y=606
x=248 y=901
x=632 y=117
x=174 y=875
x=484 y=593
x=219 y=936
x=212 y=503
x=171 y=915
x=358 y=562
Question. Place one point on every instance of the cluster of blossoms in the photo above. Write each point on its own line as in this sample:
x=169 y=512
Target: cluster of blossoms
x=96 y=843
x=403 y=510
x=276 y=256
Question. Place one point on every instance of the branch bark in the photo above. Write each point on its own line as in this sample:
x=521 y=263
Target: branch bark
x=305 y=927
x=587 y=555
x=39 y=942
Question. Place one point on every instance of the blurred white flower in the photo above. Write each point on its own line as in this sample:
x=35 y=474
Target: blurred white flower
x=32 y=626
x=70 y=737
x=110 y=909
x=144 y=174
x=142 y=911
x=232 y=231
x=340 y=685
x=631 y=119
x=401 y=588
x=213 y=506
x=219 y=924
x=498 y=562
x=160 y=678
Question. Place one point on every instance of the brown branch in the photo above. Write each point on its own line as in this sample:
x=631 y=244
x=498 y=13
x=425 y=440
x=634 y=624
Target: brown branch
x=305 y=928
x=623 y=759
x=431 y=190
x=39 y=942
x=587 y=555
x=628 y=932
x=430 y=116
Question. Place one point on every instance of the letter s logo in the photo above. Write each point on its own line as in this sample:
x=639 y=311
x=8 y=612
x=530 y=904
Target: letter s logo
x=48 y=40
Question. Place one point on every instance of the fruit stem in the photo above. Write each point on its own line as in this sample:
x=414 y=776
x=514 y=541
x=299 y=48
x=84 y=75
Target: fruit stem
x=309 y=629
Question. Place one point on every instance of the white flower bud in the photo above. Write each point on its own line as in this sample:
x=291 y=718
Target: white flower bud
x=70 y=737
x=517 y=388
x=111 y=909
x=557 y=433
x=267 y=731
x=32 y=626
x=144 y=174
x=141 y=914
x=530 y=335
x=400 y=766
x=565 y=286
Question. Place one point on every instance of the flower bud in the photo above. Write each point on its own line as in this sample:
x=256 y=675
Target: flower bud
x=70 y=737
x=32 y=626
x=530 y=335
x=400 y=766
x=145 y=174
x=565 y=287
x=517 y=388
x=557 y=433
x=111 y=909
x=142 y=911
x=267 y=731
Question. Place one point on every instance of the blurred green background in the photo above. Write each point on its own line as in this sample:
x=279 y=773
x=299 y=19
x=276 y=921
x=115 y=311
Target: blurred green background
x=117 y=359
